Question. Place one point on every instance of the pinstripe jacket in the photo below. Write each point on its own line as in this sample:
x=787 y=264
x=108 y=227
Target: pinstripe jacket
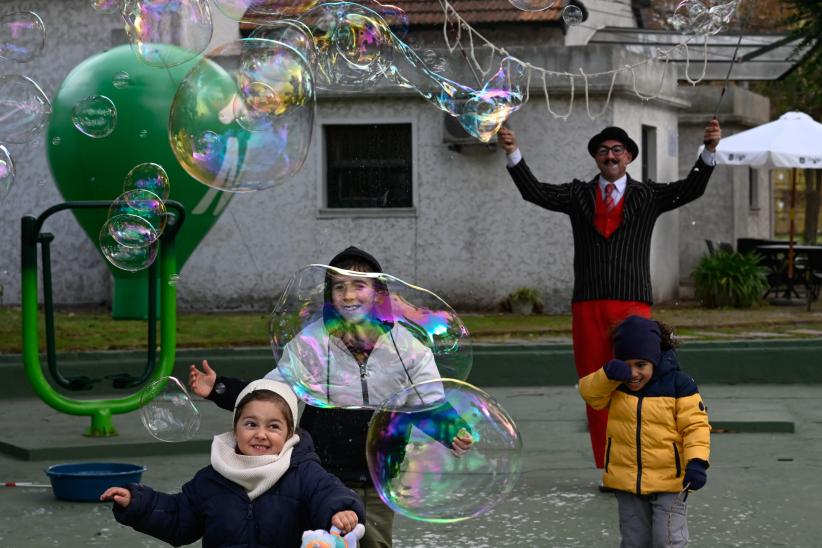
x=618 y=267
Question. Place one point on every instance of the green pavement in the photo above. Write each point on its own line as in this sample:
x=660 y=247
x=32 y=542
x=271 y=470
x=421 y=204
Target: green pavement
x=763 y=487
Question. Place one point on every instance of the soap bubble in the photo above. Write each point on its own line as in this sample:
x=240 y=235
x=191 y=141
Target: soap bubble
x=106 y=6
x=167 y=411
x=143 y=204
x=242 y=118
x=95 y=116
x=263 y=12
x=25 y=108
x=532 y=5
x=150 y=177
x=408 y=334
x=694 y=17
x=121 y=79
x=416 y=470
x=291 y=33
x=22 y=36
x=355 y=46
x=124 y=257
x=153 y=24
x=572 y=15
x=6 y=172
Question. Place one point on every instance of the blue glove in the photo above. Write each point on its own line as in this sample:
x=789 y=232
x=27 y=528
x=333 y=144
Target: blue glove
x=695 y=474
x=618 y=370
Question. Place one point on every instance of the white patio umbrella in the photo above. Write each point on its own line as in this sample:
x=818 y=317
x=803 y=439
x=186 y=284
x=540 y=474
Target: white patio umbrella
x=793 y=141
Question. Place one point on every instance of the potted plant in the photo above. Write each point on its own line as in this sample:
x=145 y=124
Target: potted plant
x=729 y=278
x=524 y=299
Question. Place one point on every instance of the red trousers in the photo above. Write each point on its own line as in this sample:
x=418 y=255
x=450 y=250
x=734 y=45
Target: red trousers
x=592 y=322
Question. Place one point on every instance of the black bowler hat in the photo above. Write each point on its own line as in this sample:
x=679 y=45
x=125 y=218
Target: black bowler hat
x=613 y=133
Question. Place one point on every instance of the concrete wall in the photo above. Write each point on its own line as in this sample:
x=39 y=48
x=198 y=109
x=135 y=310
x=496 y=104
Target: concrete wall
x=471 y=238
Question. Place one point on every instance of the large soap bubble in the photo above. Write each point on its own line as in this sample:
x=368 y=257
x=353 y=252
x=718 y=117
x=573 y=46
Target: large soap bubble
x=263 y=11
x=290 y=32
x=167 y=411
x=414 y=465
x=351 y=339
x=153 y=24
x=355 y=46
x=143 y=204
x=22 y=36
x=532 y=5
x=694 y=17
x=243 y=116
x=25 y=109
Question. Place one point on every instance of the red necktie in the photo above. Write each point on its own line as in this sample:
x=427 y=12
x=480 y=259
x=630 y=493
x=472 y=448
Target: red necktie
x=609 y=196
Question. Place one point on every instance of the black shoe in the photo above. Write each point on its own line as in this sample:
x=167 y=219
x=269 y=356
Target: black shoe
x=603 y=489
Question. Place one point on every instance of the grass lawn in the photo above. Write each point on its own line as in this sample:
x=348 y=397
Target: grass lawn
x=93 y=329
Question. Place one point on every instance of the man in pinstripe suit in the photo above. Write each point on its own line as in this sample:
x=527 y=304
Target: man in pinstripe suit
x=612 y=219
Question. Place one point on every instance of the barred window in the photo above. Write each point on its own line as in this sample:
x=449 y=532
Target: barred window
x=368 y=165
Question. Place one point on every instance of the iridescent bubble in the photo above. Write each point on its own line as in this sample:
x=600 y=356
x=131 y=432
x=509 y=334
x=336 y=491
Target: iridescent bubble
x=131 y=230
x=409 y=334
x=25 y=109
x=263 y=12
x=243 y=116
x=6 y=171
x=415 y=466
x=22 y=36
x=152 y=24
x=144 y=204
x=95 y=116
x=691 y=17
x=484 y=112
x=150 y=177
x=121 y=80
x=291 y=33
x=167 y=411
x=355 y=46
x=106 y=6
x=532 y=5
x=572 y=15
x=130 y=258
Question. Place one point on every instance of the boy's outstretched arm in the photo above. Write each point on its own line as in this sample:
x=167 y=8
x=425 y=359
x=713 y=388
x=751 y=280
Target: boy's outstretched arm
x=201 y=382
x=221 y=390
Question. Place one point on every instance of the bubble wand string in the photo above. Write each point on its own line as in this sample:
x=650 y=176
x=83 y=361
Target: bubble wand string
x=728 y=75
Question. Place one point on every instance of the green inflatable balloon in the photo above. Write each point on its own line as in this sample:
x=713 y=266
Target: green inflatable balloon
x=89 y=167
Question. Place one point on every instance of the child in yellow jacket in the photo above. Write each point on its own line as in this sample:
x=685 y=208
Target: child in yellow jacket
x=658 y=435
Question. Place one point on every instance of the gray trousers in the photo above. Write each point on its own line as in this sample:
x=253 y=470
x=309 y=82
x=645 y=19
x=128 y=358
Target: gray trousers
x=652 y=521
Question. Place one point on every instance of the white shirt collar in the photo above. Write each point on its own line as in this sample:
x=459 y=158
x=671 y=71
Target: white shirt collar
x=620 y=186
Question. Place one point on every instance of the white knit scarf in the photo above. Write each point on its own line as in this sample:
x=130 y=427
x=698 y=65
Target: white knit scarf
x=256 y=474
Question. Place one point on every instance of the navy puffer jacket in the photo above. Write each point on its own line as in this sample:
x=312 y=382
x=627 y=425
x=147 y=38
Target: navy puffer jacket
x=218 y=510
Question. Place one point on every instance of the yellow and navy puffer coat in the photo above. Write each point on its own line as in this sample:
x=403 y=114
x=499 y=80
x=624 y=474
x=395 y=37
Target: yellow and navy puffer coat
x=653 y=432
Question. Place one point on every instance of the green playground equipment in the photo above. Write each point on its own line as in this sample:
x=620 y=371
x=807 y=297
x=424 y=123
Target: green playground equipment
x=99 y=410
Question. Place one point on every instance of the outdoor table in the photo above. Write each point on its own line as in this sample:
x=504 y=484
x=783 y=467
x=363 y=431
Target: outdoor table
x=778 y=255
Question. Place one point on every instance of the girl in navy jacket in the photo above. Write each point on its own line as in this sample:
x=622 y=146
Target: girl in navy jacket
x=265 y=485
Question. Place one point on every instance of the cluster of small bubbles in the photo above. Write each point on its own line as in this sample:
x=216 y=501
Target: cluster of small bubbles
x=411 y=333
x=572 y=15
x=129 y=238
x=167 y=411
x=95 y=116
x=694 y=17
x=242 y=118
x=414 y=460
x=22 y=36
x=25 y=108
x=121 y=79
x=6 y=172
x=152 y=25
x=148 y=176
x=106 y=6
x=532 y=5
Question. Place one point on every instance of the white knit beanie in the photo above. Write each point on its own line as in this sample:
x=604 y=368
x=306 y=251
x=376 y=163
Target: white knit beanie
x=279 y=388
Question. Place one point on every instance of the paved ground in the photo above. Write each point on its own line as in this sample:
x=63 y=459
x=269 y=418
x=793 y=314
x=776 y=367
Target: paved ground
x=764 y=488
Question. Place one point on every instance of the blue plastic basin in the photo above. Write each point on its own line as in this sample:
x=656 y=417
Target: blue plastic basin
x=86 y=481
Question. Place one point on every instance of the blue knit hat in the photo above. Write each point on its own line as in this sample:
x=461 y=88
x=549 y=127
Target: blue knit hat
x=638 y=338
